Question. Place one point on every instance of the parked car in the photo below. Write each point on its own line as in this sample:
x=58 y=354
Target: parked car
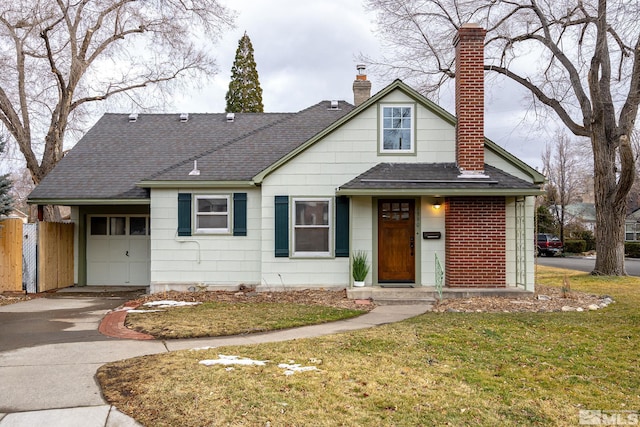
x=548 y=244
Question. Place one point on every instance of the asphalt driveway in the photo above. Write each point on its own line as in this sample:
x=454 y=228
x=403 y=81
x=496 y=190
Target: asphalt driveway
x=586 y=264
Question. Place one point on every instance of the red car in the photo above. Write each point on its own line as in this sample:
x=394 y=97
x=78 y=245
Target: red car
x=548 y=244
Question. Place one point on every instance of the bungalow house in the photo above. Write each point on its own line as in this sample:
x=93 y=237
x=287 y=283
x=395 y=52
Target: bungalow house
x=632 y=227
x=282 y=200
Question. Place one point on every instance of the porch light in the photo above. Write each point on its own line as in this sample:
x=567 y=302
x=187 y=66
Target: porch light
x=437 y=205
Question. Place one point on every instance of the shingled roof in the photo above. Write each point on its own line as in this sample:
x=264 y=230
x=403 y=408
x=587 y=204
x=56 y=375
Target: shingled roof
x=116 y=154
x=435 y=178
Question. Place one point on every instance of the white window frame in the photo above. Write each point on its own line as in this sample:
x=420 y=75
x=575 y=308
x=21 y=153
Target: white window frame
x=127 y=225
x=412 y=128
x=196 y=214
x=328 y=226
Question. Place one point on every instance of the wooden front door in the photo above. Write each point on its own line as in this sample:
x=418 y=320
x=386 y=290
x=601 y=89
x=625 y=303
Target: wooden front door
x=396 y=241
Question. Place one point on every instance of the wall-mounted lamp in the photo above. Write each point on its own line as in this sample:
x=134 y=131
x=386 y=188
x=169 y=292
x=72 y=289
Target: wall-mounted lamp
x=436 y=205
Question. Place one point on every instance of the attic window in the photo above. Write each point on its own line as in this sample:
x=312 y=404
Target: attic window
x=397 y=129
x=231 y=117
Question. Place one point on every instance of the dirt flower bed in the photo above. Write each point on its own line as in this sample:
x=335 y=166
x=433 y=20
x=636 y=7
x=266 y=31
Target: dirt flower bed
x=546 y=299
x=12 y=299
x=331 y=298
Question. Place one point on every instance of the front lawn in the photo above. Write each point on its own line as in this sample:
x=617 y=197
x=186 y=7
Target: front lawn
x=484 y=369
x=213 y=319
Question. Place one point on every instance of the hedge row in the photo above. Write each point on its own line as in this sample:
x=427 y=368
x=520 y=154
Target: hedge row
x=632 y=249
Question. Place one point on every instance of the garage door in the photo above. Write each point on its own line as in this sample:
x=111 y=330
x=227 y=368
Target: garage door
x=118 y=250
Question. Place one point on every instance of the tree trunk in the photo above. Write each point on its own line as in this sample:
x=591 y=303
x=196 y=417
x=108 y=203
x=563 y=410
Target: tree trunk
x=610 y=209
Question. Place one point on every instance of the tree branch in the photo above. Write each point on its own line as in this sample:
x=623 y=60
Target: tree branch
x=551 y=102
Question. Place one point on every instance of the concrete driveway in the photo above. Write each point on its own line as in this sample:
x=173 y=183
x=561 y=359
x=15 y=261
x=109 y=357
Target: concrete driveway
x=50 y=350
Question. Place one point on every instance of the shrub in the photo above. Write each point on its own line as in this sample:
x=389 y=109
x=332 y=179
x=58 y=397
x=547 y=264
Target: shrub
x=575 y=246
x=360 y=266
x=632 y=249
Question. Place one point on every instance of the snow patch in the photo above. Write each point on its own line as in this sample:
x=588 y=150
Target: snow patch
x=144 y=311
x=289 y=368
x=169 y=303
x=233 y=360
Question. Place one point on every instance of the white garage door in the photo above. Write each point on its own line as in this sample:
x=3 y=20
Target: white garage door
x=118 y=250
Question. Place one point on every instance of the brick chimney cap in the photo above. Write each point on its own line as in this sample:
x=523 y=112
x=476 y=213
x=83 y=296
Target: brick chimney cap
x=470 y=25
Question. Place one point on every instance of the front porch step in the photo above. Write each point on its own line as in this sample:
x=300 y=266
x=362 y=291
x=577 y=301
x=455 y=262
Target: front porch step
x=428 y=294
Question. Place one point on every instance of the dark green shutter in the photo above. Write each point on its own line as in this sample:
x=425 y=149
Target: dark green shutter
x=282 y=226
x=184 y=214
x=342 y=226
x=239 y=214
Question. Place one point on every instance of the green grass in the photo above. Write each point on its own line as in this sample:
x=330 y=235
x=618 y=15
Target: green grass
x=221 y=318
x=481 y=369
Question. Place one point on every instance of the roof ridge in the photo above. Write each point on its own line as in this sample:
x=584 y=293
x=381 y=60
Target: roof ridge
x=287 y=116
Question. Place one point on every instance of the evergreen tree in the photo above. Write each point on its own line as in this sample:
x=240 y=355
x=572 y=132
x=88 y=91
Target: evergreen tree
x=6 y=201
x=244 y=94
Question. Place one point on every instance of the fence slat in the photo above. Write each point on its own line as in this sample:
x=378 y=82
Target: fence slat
x=11 y=255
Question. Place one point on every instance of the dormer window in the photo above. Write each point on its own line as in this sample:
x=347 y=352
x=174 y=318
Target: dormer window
x=396 y=129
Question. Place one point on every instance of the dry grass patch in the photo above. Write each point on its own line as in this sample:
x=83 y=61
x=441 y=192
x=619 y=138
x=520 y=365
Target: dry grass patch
x=485 y=369
x=223 y=318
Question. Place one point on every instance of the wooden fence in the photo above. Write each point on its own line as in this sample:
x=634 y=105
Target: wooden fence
x=55 y=255
x=11 y=255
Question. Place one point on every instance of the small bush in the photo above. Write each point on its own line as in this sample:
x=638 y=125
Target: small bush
x=632 y=249
x=575 y=246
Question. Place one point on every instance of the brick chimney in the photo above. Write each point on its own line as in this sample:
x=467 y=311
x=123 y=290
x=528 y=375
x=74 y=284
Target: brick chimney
x=469 y=45
x=361 y=86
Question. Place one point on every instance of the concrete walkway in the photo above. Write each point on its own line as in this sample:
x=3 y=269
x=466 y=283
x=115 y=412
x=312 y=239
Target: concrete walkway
x=50 y=380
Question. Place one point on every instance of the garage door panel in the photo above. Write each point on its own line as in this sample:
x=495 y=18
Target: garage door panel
x=118 y=257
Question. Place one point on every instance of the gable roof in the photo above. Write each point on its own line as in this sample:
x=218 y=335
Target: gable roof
x=115 y=155
x=443 y=179
x=117 y=161
x=398 y=84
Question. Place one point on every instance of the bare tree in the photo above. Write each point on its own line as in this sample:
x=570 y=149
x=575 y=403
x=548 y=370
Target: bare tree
x=562 y=169
x=580 y=59
x=57 y=57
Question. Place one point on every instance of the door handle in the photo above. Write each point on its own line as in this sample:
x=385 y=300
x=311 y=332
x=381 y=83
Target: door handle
x=127 y=253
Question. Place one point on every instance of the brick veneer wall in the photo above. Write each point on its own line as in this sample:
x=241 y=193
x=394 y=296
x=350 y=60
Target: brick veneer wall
x=469 y=45
x=475 y=242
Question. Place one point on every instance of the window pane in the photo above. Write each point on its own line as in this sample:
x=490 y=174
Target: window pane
x=212 y=221
x=212 y=205
x=396 y=128
x=312 y=213
x=137 y=226
x=98 y=226
x=312 y=240
x=118 y=226
x=390 y=140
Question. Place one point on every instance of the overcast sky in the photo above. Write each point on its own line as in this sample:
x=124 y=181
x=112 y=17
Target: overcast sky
x=306 y=52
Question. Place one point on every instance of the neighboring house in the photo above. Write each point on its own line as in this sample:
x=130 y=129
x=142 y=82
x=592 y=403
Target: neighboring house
x=282 y=200
x=581 y=214
x=632 y=227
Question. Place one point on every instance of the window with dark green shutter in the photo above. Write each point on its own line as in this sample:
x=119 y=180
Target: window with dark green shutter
x=281 y=226
x=184 y=214
x=342 y=226
x=239 y=214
